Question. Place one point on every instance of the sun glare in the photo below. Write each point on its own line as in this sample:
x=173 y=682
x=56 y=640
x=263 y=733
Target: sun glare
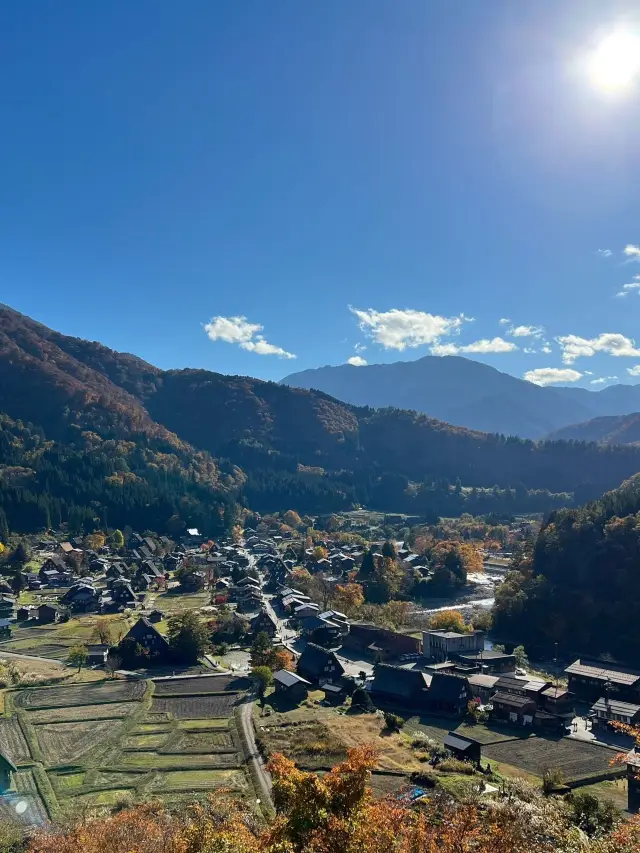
x=615 y=63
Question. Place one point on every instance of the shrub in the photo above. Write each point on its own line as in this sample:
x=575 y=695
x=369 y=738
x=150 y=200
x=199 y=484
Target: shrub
x=393 y=722
x=454 y=765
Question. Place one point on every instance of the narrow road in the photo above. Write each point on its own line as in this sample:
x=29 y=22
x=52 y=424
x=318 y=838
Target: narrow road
x=8 y=654
x=253 y=755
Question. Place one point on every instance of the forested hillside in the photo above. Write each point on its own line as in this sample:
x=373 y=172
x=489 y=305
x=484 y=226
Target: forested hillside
x=116 y=433
x=579 y=584
x=623 y=429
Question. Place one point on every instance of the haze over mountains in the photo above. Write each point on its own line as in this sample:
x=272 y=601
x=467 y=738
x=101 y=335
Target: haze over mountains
x=468 y=393
x=88 y=433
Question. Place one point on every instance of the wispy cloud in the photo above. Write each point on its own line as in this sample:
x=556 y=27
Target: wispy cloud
x=634 y=371
x=526 y=331
x=603 y=380
x=546 y=349
x=357 y=361
x=574 y=347
x=504 y=321
x=402 y=328
x=605 y=253
x=529 y=350
x=632 y=252
x=238 y=330
x=632 y=285
x=360 y=347
x=483 y=346
x=551 y=375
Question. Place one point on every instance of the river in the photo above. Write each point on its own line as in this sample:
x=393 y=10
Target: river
x=474 y=595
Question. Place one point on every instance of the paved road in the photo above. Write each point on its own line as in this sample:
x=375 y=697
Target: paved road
x=253 y=755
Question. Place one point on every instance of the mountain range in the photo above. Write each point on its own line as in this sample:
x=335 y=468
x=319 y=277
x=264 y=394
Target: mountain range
x=100 y=437
x=468 y=393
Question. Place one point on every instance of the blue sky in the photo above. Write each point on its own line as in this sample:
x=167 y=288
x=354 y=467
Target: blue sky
x=355 y=180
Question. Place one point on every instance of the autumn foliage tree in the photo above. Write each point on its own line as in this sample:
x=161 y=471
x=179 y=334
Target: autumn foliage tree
x=336 y=813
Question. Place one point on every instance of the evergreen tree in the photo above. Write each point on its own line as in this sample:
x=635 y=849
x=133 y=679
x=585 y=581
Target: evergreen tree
x=4 y=526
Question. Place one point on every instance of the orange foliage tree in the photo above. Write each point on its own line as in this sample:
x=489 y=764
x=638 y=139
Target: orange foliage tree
x=335 y=813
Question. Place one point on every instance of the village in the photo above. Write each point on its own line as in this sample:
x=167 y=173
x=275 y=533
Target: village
x=103 y=706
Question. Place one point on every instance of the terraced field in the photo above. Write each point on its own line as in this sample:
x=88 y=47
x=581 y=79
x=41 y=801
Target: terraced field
x=68 y=742
x=81 y=694
x=193 y=780
x=197 y=707
x=156 y=761
x=103 y=744
x=82 y=713
x=13 y=742
x=200 y=684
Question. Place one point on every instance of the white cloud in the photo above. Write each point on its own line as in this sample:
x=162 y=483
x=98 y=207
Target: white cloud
x=546 y=348
x=504 y=321
x=551 y=375
x=238 y=330
x=399 y=329
x=632 y=252
x=360 y=347
x=632 y=285
x=605 y=253
x=603 y=380
x=574 y=347
x=529 y=350
x=482 y=346
x=357 y=361
x=634 y=371
x=526 y=331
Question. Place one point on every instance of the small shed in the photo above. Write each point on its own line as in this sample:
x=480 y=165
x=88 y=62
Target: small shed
x=48 y=613
x=335 y=694
x=97 y=654
x=463 y=748
x=291 y=685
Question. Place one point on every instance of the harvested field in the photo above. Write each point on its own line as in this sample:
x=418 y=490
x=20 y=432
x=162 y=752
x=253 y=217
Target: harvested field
x=107 y=798
x=68 y=782
x=198 y=725
x=199 y=742
x=82 y=713
x=116 y=778
x=203 y=779
x=12 y=741
x=578 y=760
x=36 y=813
x=155 y=761
x=195 y=707
x=85 y=694
x=147 y=741
x=152 y=728
x=201 y=684
x=66 y=742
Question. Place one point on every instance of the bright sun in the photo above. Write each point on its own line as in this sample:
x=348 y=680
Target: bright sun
x=615 y=63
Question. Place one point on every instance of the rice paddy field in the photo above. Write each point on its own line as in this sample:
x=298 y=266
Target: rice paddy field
x=103 y=744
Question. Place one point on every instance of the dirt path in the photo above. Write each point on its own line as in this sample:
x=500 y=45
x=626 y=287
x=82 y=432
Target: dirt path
x=245 y=717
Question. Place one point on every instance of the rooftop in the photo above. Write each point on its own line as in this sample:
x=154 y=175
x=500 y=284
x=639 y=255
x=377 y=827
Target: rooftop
x=602 y=671
x=613 y=706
